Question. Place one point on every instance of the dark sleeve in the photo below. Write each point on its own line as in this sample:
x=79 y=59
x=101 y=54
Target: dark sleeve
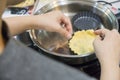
x=19 y=62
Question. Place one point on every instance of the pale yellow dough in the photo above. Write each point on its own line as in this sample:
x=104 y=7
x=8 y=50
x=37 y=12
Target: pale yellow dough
x=82 y=42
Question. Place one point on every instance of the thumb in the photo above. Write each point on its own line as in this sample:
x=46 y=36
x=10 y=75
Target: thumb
x=65 y=33
x=97 y=40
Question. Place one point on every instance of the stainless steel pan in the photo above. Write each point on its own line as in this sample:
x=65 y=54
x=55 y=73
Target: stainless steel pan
x=54 y=45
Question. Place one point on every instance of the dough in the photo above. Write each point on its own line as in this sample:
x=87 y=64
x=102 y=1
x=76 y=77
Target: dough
x=82 y=42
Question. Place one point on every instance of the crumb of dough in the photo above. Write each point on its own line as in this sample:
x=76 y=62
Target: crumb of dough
x=82 y=42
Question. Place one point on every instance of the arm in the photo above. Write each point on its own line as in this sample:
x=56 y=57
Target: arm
x=51 y=21
x=108 y=53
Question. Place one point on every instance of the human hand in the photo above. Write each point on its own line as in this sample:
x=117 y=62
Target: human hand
x=54 y=21
x=107 y=49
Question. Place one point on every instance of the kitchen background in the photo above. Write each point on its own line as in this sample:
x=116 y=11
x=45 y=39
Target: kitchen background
x=91 y=68
x=27 y=8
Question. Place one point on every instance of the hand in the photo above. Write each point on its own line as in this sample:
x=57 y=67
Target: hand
x=54 y=21
x=107 y=49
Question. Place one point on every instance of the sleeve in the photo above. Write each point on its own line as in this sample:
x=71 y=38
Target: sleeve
x=19 y=62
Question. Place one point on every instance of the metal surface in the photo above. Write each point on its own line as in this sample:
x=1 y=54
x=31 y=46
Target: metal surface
x=85 y=20
x=55 y=45
x=24 y=38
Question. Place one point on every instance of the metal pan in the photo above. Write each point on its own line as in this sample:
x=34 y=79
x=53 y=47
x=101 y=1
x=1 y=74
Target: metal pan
x=56 y=46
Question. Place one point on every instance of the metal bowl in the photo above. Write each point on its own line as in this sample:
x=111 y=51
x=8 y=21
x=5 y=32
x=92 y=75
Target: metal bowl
x=55 y=45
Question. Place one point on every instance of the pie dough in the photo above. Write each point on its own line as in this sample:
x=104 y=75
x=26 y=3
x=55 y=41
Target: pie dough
x=82 y=42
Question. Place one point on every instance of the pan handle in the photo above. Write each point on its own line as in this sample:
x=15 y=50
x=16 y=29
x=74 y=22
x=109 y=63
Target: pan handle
x=104 y=3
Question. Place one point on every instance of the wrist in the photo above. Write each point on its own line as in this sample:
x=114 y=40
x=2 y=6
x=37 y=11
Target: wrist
x=110 y=63
x=29 y=22
x=35 y=22
x=110 y=71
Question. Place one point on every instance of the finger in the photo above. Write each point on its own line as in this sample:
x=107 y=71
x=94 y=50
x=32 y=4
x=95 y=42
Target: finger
x=97 y=40
x=101 y=31
x=68 y=25
x=114 y=30
x=63 y=32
